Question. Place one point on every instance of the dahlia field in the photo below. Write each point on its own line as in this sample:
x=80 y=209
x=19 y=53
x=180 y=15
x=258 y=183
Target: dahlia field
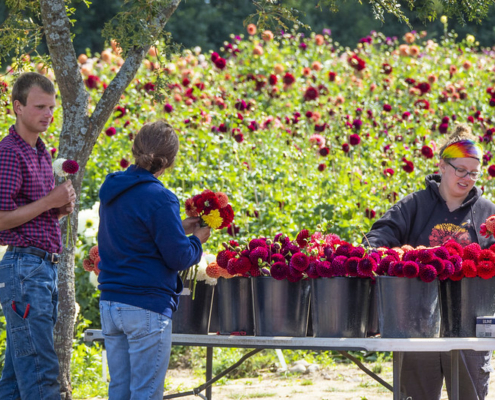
x=298 y=131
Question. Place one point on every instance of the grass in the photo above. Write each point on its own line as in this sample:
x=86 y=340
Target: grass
x=257 y=395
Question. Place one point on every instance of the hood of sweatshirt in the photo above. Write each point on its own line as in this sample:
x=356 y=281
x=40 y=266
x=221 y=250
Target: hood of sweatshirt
x=118 y=183
x=433 y=182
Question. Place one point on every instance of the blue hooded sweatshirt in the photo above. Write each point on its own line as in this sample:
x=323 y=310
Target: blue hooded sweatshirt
x=142 y=243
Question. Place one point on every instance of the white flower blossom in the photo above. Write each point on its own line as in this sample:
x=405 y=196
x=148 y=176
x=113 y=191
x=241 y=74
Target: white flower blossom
x=88 y=221
x=57 y=167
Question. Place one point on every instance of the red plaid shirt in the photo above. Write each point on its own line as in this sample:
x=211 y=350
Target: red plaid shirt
x=26 y=175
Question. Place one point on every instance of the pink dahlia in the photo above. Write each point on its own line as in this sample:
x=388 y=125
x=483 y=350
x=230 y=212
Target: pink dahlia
x=454 y=248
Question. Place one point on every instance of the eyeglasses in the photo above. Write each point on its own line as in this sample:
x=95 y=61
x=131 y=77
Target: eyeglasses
x=462 y=173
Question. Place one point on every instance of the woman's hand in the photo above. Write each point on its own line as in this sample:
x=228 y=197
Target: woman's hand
x=190 y=224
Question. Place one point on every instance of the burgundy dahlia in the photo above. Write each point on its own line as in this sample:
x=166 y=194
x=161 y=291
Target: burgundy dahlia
x=387 y=107
x=410 y=269
x=312 y=272
x=438 y=264
x=338 y=266
x=427 y=151
x=220 y=63
x=351 y=266
x=425 y=256
x=302 y=238
x=447 y=271
x=288 y=78
x=223 y=258
x=344 y=249
x=428 y=273
x=366 y=266
x=357 y=252
x=354 y=139
x=299 y=261
x=324 y=269
x=70 y=167
x=254 y=243
x=279 y=270
x=111 y=131
x=259 y=253
x=311 y=93
x=456 y=262
x=397 y=269
x=441 y=252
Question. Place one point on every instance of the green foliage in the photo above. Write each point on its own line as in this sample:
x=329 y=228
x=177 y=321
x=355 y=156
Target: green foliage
x=86 y=372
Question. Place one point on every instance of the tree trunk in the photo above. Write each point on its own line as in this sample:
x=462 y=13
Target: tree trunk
x=77 y=139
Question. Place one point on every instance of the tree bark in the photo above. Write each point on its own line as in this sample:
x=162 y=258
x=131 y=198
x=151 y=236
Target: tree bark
x=77 y=139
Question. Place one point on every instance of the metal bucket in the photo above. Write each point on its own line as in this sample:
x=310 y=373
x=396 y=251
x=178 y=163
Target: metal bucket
x=373 y=324
x=281 y=308
x=462 y=301
x=340 y=307
x=235 y=306
x=214 y=322
x=193 y=316
x=408 y=308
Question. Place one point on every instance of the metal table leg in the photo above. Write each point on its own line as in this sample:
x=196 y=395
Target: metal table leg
x=454 y=374
x=397 y=363
x=209 y=369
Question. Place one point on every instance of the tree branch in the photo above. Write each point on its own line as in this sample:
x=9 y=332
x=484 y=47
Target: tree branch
x=126 y=74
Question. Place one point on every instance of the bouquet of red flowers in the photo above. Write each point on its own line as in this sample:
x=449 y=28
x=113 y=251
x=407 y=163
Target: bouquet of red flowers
x=213 y=208
x=488 y=228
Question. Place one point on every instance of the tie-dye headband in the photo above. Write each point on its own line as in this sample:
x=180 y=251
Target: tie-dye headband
x=463 y=149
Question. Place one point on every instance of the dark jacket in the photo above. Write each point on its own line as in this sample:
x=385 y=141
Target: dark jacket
x=423 y=218
x=142 y=243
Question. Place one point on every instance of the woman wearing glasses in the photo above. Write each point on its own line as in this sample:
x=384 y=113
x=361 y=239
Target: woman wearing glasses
x=450 y=207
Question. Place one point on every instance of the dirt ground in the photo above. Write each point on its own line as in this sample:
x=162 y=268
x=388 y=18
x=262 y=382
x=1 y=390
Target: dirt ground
x=340 y=382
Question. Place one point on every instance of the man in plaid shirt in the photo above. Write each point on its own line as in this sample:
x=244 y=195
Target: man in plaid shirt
x=30 y=207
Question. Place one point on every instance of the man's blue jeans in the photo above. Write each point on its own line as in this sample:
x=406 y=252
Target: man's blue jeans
x=29 y=297
x=138 y=343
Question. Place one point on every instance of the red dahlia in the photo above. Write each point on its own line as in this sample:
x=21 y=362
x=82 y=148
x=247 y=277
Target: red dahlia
x=472 y=252
x=486 y=269
x=469 y=268
x=223 y=258
x=227 y=214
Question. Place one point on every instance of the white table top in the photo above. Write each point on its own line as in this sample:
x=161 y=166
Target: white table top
x=312 y=343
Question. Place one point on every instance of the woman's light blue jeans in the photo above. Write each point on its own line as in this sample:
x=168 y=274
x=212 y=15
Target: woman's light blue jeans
x=138 y=343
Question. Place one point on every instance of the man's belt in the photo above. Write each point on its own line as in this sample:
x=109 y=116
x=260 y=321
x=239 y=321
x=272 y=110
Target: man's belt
x=52 y=257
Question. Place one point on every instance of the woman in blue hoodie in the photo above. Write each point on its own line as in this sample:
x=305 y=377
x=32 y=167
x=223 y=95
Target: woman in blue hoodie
x=451 y=207
x=143 y=245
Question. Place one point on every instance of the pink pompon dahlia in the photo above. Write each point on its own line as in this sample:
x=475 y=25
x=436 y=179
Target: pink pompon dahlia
x=279 y=270
x=223 y=199
x=299 y=261
x=70 y=167
x=410 y=269
x=88 y=265
x=428 y=273
x=456 y=262
x=94 y=253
